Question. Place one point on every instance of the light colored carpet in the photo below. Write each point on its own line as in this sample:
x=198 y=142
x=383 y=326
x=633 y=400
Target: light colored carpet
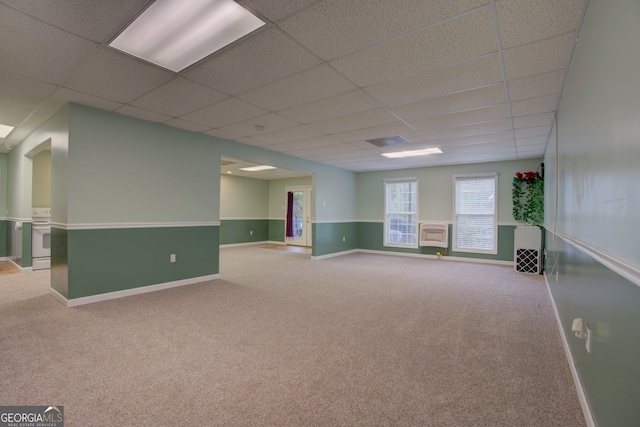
x=280 y=340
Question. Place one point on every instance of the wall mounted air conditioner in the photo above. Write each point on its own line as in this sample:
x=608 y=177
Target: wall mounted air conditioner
x=434 y=234
x=527 y=249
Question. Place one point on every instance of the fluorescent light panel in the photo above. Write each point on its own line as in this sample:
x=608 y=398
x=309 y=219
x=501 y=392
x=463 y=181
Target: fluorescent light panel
x=258 y=168
x=5 y=130
x=177 y=33
x=423 y=152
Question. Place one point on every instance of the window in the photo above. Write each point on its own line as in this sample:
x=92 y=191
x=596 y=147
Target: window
x=475 y=226
x=401 y=206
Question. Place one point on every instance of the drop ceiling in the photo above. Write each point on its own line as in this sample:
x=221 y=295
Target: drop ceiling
x=478 y=79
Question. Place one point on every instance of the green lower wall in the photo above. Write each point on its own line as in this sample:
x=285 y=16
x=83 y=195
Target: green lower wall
x=328 y=237
x=276 y=230
x=26 y=245
x=4 y=239
x=609 y=306
x=7 y=234
x=101 y=261
x=234 y=231
x=240 y=231
x=60 y=261
x=371 y=238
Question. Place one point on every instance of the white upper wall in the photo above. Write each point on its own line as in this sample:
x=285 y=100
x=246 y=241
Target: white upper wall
x=435 y=189
x=243 y=198
x=125 y=170
x=599 y=133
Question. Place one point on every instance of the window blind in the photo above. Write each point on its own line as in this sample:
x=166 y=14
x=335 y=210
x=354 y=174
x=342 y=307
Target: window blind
x=475 y=213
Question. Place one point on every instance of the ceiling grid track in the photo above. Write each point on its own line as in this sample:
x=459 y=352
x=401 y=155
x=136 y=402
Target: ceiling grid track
x=494 y=14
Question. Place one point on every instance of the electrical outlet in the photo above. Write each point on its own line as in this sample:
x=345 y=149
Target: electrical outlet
x=172 y=258
x=344 y=238
x=251 y=233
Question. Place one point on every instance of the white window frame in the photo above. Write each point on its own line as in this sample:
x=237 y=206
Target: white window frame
x=494 y=250
x=386 y=242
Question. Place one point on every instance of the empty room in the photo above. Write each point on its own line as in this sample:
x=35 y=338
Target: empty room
x=320 y=212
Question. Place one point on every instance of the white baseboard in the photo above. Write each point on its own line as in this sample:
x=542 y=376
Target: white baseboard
x=16 y=265
x=582 y=397
x=335 y=254
x=237 y=245
x=443 y=258
x=129 y=292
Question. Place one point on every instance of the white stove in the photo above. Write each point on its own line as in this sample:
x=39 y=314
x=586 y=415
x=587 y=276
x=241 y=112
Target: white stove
x=41 y=238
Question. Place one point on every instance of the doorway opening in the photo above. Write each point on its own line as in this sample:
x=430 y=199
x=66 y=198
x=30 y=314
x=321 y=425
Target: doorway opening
x=298 y=219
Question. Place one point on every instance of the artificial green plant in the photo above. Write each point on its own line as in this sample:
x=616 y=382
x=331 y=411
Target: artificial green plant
x=528 y=198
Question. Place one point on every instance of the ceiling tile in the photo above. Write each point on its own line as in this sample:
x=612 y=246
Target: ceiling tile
x=330 y=150
x=365 y=119
x=177 y=97
x=381 y=131
x=544 y=119
x=225 y=112
x=467 y=75
x=30 y=124
x=256 y=143
x=526 y=21
x=113 y=75
x=38 y=50
x=275 y=10
x=23 y=91
x=13 y=115
x=335 y=28
x=293 y=134
x=540 y=57
x=465 y=117
x=461 y=101
x=478 y=139
x=183 y=124
x=316 y=83
x=534 y=140
x=353 y=154
x=534 y=131
x=96 y=20
x=491 y=145
x=536 y=86
x=544 y=104
x=220 y=134
x=486 y=156
x=453 y=41
x=468 y=130
x=263 y=58
x=140 y=113
x=51 y=105
x=351 y=102
x=84 y=99
x=308 y=143
x=269 y=122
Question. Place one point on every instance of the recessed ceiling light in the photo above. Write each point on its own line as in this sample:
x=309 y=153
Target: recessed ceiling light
x=423 y=152
x=5 y=130
x=258 y=168
x=175 y=33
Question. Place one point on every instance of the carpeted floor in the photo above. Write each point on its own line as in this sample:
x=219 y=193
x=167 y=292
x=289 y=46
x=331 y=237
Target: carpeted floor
x=281 y=340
